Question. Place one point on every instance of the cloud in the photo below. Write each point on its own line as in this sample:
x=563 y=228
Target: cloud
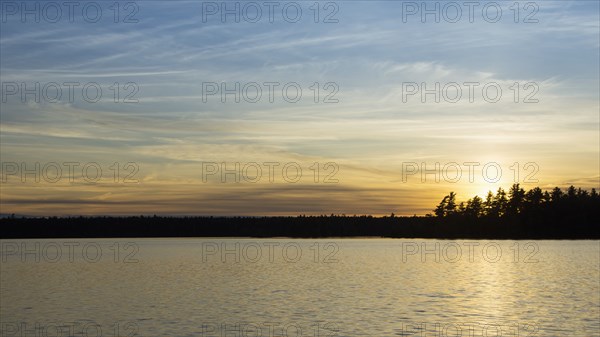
x=370 y=132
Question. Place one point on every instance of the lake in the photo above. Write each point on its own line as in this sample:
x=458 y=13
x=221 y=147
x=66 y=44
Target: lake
x=290 y=287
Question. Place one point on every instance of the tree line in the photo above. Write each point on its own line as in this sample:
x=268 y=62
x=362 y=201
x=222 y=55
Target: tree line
x=521 y=204
x=550 y=214
x=516 y=214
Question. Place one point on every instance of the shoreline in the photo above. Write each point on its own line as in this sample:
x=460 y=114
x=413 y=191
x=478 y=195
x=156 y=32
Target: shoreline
x=302 y=227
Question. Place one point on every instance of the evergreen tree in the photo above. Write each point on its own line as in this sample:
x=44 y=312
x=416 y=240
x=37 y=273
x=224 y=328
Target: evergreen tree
x=474 y=207
x=500 y=203
x=556 y=195
x=516 y=199
x=488 y=204
x=451 y=204
x=440 y=210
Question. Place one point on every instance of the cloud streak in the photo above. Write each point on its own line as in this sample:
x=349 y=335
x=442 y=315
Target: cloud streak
x=370 y=55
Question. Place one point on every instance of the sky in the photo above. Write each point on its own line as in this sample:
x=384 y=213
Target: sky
x=132 y=107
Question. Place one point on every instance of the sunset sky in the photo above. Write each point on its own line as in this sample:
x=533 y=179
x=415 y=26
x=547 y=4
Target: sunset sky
x=370 y=56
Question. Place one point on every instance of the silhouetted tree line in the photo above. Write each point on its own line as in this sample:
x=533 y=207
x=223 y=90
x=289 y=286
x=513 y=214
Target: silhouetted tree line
x=555 y=213
x=518 y=214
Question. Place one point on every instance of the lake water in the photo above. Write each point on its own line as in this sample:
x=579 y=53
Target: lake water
x=288 y=287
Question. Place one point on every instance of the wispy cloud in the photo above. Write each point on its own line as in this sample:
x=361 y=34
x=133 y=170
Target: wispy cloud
x=370 y=54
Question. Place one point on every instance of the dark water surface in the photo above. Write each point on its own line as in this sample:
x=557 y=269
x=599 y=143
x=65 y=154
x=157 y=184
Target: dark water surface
x=290 y=287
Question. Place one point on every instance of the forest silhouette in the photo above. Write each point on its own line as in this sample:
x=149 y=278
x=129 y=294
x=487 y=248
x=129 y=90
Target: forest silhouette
x=516 y=214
